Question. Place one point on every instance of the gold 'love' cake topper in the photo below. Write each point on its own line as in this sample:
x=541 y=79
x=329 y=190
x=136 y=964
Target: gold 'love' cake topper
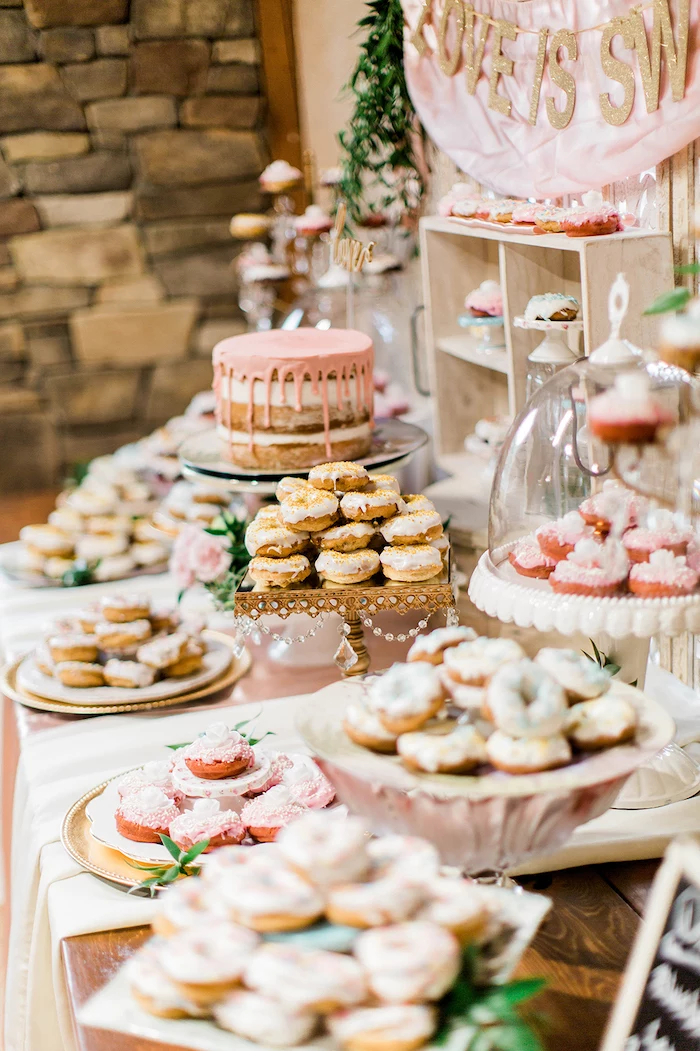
x=348 y=252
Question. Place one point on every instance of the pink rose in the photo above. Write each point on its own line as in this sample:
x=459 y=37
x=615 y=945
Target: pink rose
x=209 y=558
x=180 y=565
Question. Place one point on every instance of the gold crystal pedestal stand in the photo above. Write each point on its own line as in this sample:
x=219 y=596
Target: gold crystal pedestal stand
x=357 y=604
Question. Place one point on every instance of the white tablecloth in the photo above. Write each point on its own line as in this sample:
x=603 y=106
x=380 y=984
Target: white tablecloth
x=52 y=899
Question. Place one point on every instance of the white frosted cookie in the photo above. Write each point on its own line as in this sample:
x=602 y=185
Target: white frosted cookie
x=412 y=527
x=411 y=562
x=347 y=567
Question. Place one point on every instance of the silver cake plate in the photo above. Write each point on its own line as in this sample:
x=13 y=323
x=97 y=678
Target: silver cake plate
x=394 y=442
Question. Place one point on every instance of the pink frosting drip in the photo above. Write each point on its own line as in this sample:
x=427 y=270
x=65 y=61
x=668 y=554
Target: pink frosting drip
x=295 y=355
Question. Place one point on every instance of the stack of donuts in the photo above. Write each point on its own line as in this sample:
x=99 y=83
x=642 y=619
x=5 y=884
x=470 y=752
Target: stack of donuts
x=592 y=218
x=121 y=641
x=220 y=788
x=210 y=957
x=189 y=502
x=346 y=527
x=462 y=702
x=603 y=549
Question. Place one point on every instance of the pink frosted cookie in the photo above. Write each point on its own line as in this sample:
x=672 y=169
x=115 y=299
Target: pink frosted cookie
x=592 y=569
x=663 y=535
x=220 y=752
x=228 y=790
x=207 y=821
x=528 y=559
x=265 y=815
x=525 y=214
x=596 y=217
x=558 y=539
x=279 y=762
x=306 y=783
x=485 y=301
x=613 y=508
x=155 y=774
x=665 y=575
x=145 y=815
x=629 y=412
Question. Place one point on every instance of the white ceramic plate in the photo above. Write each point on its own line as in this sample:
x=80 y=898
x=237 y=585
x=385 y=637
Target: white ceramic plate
x=215 y=661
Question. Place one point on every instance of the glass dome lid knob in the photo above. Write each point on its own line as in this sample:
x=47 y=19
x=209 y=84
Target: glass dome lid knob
x=617 y=351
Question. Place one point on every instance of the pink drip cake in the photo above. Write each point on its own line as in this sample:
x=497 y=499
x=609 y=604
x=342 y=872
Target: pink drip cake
x=289 y=400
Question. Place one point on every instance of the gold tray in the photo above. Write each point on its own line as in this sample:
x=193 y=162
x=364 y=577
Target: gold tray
x=94 y=857
x=235 y=671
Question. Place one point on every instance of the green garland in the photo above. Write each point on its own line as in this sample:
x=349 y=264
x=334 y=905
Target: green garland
x=379 y=148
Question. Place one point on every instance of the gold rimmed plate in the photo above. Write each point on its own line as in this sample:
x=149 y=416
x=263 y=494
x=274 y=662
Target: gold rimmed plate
x=236 y=669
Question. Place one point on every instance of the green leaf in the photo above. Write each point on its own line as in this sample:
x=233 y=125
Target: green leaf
x=194 y=852
x=596 y=651
x=688 y=268
x=171 y=847
x=611 y=667
x=668 y=302
x=171 y=874
x=175 y=747
x=520 y=991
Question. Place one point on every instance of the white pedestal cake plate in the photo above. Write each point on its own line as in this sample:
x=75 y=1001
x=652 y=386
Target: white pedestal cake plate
x=483 y=824
x=620 y=627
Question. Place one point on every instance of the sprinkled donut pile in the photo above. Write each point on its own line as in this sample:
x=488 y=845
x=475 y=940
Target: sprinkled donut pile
x=121 y=641
x=462 y=702
x=220 y=788
x=603 y=549
x=207 y=959
x=342 y=527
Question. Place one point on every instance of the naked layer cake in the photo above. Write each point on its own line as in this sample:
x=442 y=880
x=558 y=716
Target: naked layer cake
x=287 y=400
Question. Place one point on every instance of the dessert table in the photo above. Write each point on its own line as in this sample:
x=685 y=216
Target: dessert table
x=581 y=948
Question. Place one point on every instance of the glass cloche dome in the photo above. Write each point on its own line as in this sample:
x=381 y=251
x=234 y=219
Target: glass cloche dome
x=550 y=461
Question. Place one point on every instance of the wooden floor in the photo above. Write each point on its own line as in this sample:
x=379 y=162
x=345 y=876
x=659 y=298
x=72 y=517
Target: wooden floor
x=581 y=948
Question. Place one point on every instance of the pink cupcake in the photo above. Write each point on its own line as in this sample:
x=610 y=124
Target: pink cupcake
x=218 y=753
x=592 y=569
x=313 y=222
x=613 y=508
x=157 y=774
x=665 y=575
x=528 y=560
x=267 y=814
x=207 y=820
x=145 y=815
x=558 y=539
x=664 y=535
x=629 y=412
x=485 y=301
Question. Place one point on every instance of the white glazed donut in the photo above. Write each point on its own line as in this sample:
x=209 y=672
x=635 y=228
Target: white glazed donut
x=350 y=536
x=187 y=904
x=128 y=674
x=364 y=727
x=401 y=1027
x=474 y=663
x=347 y=567
x=365 y=506
x=523 y=700
x=382 y=481
x=468 y=698
x=153 y=990
x=411 y=562
x=279 y=572
x=527 y=755
x=265 y=536
x=264 y=1020
x=600 y=723
x=417 y=502
x=306 y=980
x=309 y=510
x=267 y=898
x=285 y=487
x=389 y=899
x=432 y=647
x=581 y=677
x=326 y=851
x=409 y=962
x=406 y=856
x=114 y=567
x=406 y=696
x=207 y=959
x=412 y=527
x=459 y=906
x=343 y=476
x=47 y=539
x=100 y=545
x=452 y=753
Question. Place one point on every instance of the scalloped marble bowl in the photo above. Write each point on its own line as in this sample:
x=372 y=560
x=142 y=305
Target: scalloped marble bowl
x=482 y=824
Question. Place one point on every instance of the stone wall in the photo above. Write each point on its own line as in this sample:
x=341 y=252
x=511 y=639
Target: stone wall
x=129 y=135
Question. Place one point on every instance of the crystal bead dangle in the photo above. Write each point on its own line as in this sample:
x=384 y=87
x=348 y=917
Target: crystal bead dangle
x=345 y=656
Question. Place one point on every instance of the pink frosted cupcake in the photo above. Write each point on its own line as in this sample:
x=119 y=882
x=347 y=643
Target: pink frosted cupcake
x=306 y=783
x=156 y=774
x=528 y=559
x=313 y=222
x=267 y=814
x=665 y=575
x=558 y=539
x=485 y=301
x=207 y=820
x=629 y=412
x=613 y=508
x=145 y=815
x=592 y=569
x=218 y=753
x=664 y=535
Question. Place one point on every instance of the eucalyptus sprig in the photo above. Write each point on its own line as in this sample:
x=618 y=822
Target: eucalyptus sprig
x=486 y=1018
x=380 y=145
x=247 y=734
x=182 y=865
